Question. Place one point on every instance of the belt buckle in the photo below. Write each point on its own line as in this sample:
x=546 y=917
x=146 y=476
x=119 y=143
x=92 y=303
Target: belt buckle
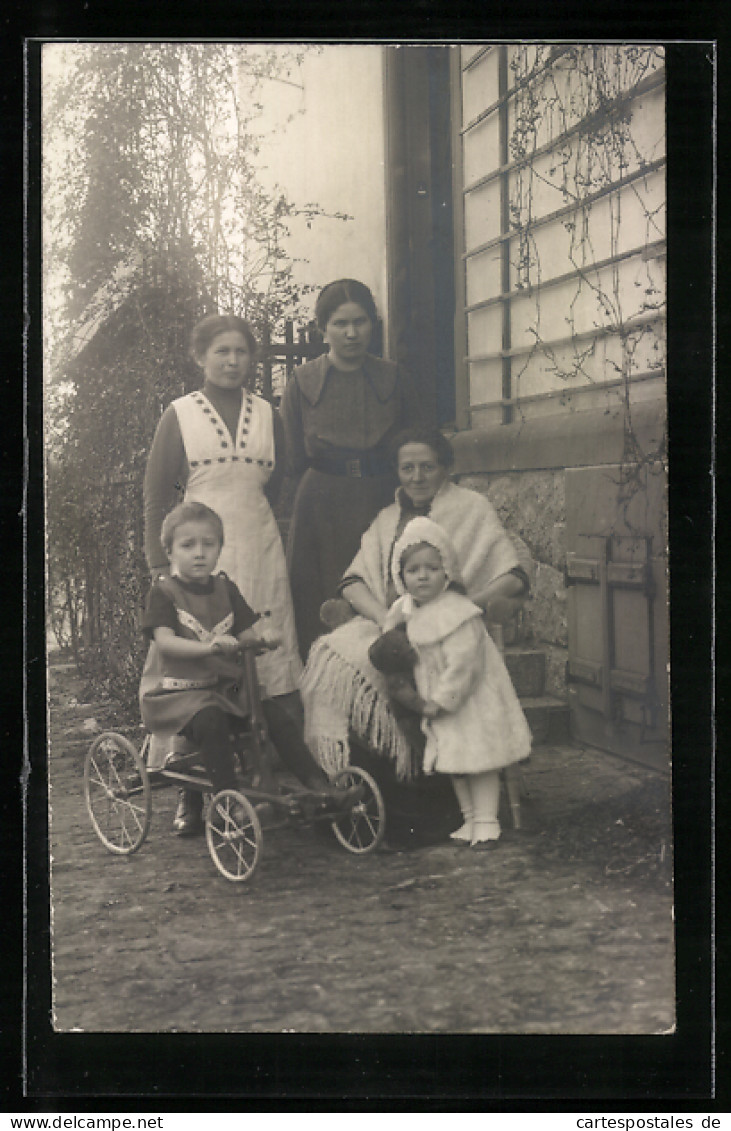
x=353 y=468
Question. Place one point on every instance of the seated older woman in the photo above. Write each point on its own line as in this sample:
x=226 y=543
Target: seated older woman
x=348 y=715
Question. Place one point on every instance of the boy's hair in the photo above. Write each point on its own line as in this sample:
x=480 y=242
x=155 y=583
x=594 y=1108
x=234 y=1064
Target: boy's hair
x=188 y=512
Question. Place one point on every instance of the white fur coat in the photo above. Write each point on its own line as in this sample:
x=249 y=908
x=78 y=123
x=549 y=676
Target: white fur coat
x=482 y=726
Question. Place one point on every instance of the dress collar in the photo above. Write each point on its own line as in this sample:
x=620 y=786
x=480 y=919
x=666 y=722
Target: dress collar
x=429 y=624
x=312 y=377
x=216 y=395
x=204 y=588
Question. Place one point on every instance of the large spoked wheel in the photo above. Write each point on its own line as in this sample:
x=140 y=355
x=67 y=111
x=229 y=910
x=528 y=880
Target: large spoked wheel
x=361 y=828
x=117 y=793
x=234 y=835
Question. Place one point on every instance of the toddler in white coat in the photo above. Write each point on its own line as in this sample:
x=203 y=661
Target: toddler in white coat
x=472 y=719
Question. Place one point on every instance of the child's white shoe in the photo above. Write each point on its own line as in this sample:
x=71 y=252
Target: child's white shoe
x=485 y=835
x=461 y=787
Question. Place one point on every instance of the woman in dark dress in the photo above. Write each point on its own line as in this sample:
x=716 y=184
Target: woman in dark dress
x=340 y=413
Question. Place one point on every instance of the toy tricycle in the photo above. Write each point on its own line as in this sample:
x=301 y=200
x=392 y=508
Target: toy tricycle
x=119 y=781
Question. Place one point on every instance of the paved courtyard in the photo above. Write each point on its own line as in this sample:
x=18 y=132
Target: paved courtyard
x=566 y=928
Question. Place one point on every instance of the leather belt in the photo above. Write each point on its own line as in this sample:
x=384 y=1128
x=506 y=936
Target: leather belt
x=357 y=467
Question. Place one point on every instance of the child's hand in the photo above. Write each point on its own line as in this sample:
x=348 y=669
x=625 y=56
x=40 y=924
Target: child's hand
x=391 y=619
x=430 y=710
x=228 y=645
x=269 y=638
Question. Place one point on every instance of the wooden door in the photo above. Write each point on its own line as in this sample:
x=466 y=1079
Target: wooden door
x=618 y=623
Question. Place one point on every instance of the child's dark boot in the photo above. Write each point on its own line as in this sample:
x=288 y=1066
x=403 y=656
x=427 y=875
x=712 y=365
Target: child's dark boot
x=189 y=813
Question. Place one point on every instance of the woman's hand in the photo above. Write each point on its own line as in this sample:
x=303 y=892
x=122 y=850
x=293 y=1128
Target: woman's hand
x=502 y=599
x=501 y=610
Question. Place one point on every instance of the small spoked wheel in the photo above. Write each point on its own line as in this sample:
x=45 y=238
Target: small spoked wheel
x=360 y=829
x=234 y=835
x=117 y=793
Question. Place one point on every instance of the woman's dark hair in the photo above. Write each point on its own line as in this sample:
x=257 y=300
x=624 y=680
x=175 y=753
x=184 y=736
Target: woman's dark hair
x=335 y=294
x=432 y=437
x=214 y=324
x=188 y=512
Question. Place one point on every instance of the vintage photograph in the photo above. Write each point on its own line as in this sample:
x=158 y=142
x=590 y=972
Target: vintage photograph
x=356 y=486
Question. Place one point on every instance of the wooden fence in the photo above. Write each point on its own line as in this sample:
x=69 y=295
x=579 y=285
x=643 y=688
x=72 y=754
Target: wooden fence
x=298 y=346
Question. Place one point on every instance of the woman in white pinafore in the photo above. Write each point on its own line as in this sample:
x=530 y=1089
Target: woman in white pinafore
x=223 y=445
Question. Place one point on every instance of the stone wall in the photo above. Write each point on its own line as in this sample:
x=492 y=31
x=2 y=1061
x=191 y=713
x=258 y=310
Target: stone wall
x=522 y=468
x=532 y=507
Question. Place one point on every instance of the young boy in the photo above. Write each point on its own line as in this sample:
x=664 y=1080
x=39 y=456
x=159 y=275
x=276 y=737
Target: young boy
x=196 y=622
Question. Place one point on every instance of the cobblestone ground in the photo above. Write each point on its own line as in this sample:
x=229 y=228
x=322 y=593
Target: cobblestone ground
x=566 y=928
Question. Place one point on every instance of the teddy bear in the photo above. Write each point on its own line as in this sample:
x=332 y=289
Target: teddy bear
x=393 y=656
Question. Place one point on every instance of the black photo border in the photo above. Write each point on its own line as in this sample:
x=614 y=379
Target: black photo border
x=341 y=1072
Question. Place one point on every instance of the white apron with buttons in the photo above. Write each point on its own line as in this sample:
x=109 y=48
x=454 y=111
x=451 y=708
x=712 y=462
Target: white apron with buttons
x=229 y=476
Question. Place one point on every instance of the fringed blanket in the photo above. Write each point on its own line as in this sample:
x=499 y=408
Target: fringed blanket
x=342 y=691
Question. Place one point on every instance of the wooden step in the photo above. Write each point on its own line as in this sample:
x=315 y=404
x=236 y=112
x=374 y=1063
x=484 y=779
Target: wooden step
x=527 y=668
x=548 y=718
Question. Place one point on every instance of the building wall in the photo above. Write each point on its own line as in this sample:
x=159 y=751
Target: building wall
x=325 y=146
x=524 y=468
x=561 y=152
x=560 y=321
x=532 y=506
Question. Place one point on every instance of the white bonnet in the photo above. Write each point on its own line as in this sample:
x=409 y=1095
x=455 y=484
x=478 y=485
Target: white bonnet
x=422 y=529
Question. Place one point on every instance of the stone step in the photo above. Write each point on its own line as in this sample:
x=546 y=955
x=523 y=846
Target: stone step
x=527 y=668
x=548 y=718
